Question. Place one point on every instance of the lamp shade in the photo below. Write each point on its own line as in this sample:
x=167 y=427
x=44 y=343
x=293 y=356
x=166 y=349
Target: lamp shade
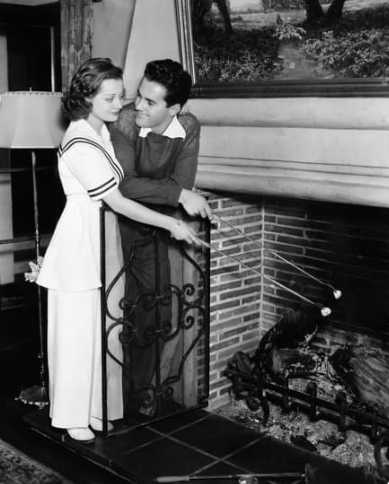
x=30 y=119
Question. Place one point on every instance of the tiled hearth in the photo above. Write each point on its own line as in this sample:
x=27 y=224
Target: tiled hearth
x=199 y=443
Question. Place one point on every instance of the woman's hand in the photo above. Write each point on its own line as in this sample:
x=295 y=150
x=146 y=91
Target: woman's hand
x=182 y=231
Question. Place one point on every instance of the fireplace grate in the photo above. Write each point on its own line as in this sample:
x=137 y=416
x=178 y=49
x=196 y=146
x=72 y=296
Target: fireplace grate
x=258 y=392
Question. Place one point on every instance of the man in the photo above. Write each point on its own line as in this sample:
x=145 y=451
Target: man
x=158 y=148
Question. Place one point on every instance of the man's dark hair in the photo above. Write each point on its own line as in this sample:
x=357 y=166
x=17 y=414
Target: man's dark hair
x=172 y=76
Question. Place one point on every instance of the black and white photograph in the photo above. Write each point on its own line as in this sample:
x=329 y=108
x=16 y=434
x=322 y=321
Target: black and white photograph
x=194 y=241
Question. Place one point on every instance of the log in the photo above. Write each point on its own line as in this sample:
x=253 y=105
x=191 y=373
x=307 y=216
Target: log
x=365 y=371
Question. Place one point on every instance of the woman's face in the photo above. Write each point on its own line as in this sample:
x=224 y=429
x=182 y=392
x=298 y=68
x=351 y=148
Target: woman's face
x=107 y=103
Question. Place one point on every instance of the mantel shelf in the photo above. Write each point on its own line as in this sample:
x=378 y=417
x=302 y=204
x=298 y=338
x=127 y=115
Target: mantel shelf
x=327 y=150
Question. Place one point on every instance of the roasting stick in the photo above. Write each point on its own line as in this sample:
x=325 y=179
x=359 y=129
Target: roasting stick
x=325 y=311
x=337 y=292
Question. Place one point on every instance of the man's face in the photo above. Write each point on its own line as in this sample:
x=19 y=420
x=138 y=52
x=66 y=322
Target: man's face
x=150 y=104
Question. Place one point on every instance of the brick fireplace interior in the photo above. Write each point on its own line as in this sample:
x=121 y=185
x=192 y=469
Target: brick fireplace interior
x=342 y=244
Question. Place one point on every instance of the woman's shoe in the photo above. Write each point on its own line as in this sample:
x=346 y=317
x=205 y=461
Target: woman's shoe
x=97 y=424
x=81 y=434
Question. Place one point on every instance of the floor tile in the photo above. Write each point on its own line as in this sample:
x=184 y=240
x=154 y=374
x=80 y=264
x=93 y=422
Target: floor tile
x=271 y=455
x=220 y=468
x=180 y=420
x=217 y=436
x=114 y=446
x=162 y=458
x=324 y=471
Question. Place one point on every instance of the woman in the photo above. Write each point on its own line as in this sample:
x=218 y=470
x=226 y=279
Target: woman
x=89 y=174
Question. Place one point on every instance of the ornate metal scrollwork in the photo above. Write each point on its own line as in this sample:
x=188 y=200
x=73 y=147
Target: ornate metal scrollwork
x=181 y=324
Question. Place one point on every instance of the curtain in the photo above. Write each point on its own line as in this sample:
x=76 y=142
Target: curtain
x=76 y=36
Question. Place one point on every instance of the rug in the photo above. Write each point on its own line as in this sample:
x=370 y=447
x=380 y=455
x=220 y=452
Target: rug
x=18 y=468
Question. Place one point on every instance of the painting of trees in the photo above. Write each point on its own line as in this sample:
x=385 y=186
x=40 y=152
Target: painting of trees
x=257 y=40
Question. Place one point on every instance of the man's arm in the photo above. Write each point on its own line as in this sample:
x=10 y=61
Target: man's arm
x=164 y=191
x=173 y=190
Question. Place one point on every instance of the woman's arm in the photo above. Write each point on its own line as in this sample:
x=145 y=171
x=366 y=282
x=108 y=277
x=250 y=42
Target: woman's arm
x=135 y=211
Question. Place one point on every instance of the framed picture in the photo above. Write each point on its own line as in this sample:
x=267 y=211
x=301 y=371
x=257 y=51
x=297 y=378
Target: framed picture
x=263 y=48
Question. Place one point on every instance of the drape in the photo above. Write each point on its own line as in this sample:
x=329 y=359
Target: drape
x=76 y=36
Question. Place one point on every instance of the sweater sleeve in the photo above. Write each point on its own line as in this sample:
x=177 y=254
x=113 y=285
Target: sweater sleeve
x=186 y=166
x=163 y=191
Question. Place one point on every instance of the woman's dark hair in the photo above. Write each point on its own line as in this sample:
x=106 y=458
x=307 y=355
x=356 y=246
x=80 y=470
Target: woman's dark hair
x=85 y=84
x=172 y=76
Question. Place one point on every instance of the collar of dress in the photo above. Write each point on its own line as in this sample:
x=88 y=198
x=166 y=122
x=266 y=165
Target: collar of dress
x=174 y=130
x=105 y=137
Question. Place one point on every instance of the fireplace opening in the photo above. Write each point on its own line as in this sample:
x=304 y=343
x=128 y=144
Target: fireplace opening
x=335 y=376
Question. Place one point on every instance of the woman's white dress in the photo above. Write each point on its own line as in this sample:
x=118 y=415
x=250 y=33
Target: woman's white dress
x=71 y=272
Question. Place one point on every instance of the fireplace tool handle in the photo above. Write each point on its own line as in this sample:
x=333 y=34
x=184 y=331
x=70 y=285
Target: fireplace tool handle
x=306 y=477
x=242 y=478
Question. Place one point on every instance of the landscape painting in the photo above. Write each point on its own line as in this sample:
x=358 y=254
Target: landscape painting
x=272 y=40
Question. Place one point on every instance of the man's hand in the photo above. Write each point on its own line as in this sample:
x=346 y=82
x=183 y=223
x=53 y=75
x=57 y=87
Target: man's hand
x=195 y=204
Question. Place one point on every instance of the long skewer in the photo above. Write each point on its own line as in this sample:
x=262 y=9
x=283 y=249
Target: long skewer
x=337 y=293
x=325 y=311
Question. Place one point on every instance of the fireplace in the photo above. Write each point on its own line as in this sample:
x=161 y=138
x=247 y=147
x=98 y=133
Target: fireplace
x=343 y=245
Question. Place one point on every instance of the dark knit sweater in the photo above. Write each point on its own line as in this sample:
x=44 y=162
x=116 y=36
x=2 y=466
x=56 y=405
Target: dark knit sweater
x=156 y=168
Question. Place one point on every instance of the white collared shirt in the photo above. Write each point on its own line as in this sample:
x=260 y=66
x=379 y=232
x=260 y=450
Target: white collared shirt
x=174 y=130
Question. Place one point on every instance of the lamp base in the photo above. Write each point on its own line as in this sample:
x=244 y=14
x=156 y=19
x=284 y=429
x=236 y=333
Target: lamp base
x=35 y=395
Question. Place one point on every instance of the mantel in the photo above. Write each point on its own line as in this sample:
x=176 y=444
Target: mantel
x=321 y=149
